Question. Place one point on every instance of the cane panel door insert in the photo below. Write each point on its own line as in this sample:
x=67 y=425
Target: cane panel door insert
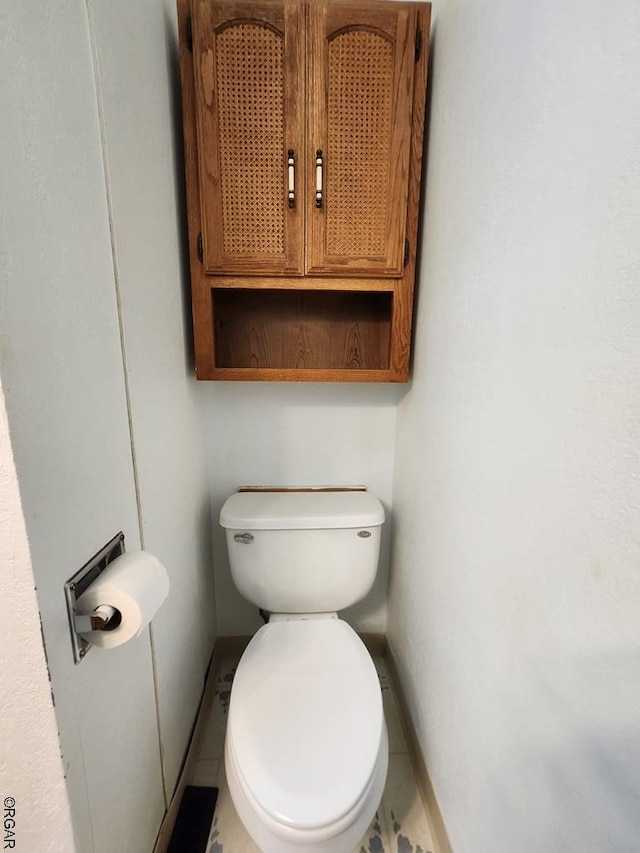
x=360 y=78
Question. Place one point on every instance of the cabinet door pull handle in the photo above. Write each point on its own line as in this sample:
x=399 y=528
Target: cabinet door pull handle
x=291 y=170
x=319 y=178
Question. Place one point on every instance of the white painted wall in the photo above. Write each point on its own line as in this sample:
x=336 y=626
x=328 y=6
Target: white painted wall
x=33 y=780
x=136 y=46
x=62 y=369
x=514 y=610
x=298 y=434
x=61 y=366
x=515 y=593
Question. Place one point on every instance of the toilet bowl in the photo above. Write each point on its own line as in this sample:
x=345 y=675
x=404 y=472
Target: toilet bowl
x=306 y=749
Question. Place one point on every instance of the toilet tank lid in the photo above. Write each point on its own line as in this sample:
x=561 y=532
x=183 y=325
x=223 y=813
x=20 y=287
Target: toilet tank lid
x=301 y=510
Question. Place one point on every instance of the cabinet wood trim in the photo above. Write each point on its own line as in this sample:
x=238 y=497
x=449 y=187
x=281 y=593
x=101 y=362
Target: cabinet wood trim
x=200 y=283
x=303 y=283
x=403 y=303
x=274 y=374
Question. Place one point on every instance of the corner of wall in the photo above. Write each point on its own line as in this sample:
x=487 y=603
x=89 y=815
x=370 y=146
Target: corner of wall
x=33 y=775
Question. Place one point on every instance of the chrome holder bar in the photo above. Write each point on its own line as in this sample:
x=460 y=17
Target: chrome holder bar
x=103 y=618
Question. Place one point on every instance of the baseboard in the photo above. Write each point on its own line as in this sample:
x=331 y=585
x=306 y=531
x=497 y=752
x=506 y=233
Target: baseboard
x=169 y=820
x=438 y=829
x=223 y=647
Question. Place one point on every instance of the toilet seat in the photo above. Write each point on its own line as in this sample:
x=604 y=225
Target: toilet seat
x=274 y=837
x=306 y=724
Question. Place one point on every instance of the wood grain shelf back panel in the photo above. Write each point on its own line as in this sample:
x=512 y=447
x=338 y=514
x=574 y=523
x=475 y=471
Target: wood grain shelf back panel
x=302 y=330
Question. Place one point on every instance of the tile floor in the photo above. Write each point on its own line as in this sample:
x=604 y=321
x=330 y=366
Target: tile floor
x=400 y=824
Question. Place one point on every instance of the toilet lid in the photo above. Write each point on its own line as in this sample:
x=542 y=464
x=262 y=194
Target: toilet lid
x=306 y=720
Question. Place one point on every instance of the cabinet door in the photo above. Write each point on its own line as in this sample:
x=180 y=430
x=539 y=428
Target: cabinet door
x=361 y=59
x=249 y=84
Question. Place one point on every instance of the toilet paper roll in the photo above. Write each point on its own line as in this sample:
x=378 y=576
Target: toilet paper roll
x=136 y=584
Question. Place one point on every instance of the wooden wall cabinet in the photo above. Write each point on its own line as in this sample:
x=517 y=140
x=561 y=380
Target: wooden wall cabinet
x=303 y=128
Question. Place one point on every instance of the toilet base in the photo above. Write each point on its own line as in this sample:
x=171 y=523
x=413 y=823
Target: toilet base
x=276 y=838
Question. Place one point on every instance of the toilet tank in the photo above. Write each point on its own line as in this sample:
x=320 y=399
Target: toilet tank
x=303 y=551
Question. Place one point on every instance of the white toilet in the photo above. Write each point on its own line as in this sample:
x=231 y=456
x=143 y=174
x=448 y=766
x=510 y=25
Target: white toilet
x=306 y=750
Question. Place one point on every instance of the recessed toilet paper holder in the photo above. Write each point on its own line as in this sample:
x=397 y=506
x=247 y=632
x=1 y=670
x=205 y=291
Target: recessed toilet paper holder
x=104 y=617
